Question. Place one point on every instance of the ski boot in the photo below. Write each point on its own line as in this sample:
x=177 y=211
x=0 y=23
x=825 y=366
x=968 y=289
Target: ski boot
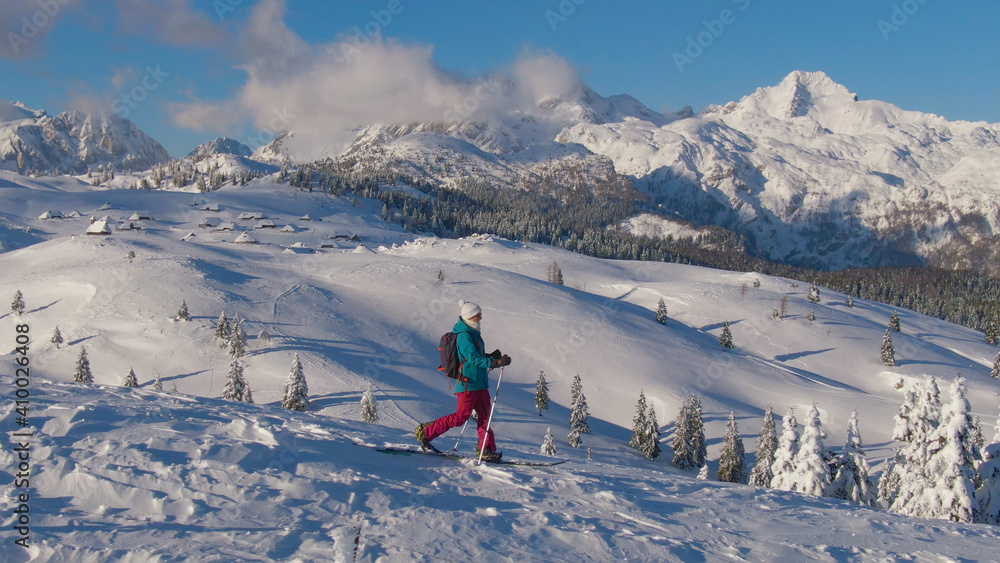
x=425 y=444
x=490 y=456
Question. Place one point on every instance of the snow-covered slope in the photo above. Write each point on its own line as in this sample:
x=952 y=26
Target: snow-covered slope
x=175 y=474
x=72 y=142
x=222 y=145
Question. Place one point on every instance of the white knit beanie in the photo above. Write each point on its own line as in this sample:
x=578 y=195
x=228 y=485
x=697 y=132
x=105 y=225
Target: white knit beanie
x=469 y=310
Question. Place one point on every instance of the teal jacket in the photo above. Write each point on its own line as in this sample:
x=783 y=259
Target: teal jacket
x=477 y=364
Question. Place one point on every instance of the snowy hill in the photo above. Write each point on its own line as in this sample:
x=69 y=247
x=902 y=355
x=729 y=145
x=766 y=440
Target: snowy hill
x=72 y=142
x=222 y=145
x=160 y=474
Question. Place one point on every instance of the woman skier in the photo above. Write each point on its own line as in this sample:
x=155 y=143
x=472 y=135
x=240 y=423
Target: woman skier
x=473 y=390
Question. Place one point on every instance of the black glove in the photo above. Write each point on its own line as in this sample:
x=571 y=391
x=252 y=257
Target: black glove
x=495 y=354
x=500 y=362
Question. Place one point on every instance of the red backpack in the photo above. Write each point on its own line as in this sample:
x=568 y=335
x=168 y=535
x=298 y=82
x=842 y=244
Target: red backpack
x=450 y=364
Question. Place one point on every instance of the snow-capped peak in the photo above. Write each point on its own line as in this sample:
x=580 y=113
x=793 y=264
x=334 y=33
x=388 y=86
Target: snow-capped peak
x=222 y=145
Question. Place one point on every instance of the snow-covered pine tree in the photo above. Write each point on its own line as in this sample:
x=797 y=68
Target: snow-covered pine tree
x=996 y=368
x=130 y=379
x=549 y=444
x=992 y=333
x=17 y=306
x=978 y=439
x=811 y=475
x=235 y=386
x=183 y=313
x=732 y=462
x=681 y=444
x=951 y=467
x=57 y=337
x=767 y=443
x=296 y=389
x=157 y=384
x=264 y=337
x=661 y=312
x=813 y=294
x=850 y=301
x=82 y=373
x=541 y=393
x=916 y=431
x=238 y=339
x=223 y=331
x=852 y=482
x=903 y=432
x=756 y=282
x=650 y=443
x=726 y=339
x=703 y=473
x=811 y=316
x=580 y=411
x=440 y=276
x=888 y=352
x=783 y=468
x=639 y=422
x=894 y=321
x=369 y=406
x=699 y=449
x=247 y=395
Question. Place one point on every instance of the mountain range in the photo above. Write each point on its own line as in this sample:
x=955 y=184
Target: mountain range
x=807 y=172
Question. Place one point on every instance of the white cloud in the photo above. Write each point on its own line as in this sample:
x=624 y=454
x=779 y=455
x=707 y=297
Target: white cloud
x=322 y=92
x=24 y=25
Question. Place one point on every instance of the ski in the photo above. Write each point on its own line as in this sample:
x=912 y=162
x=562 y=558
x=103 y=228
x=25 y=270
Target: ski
x=457 y=456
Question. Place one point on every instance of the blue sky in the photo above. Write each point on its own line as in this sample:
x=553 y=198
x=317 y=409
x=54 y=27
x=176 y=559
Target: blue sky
x=932 y=56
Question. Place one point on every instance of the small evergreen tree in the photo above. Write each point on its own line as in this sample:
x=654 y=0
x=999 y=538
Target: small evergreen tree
x=681 y=444
x=767 y=444
x=236 y=385
x=639 y=422
x=555 y=273
x=650 y=445
x=247 y=395
x=756 y=282
x=580 y=411
x=549 y=444
x=978 y=439
x=296 y=389
x=661 y=312
x=17 y=306
x=894 y=321
x=574 y=437
x=812 y=474
x=130 y=379
x=440 y=276
x=813 y=294
x=238 y=339
x=158 y=385
x=223 y=331
x=182 y=313
x=83 y=373
x=996 y=368
x=888 y=352
x=369 y=407
x=703 y=473
x=57 y=337
x=988 y=493
x=784 y=307
x=264 y=336
x=541 y=394
x=699 y=449
x=775 y=315
x=851 y=482
x=811 y=316
x=732 y=461
x=992 y=333
x=783 y=468
x=850 y=301
x=727 y=336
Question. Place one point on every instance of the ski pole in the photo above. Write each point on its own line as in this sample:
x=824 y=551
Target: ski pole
x=493 y=409
x=455 y=449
